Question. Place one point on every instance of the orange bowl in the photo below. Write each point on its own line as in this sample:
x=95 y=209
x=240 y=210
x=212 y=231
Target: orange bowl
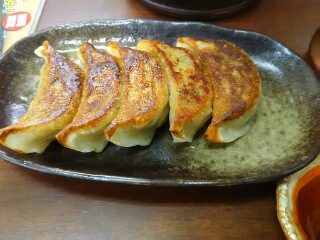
x=298 y=203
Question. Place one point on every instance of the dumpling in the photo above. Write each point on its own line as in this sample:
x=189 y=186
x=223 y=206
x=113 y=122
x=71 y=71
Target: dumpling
x=99 y=104
x=190 y=92
x=236 y=86
x=144 y=104
x=54 y=106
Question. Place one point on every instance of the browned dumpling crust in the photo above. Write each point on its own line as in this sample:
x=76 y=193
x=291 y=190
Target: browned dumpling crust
x=144 y=99
x=99 y=104
x=124 y=95
x=190 y=92
x=236 y=86
x=54 y=106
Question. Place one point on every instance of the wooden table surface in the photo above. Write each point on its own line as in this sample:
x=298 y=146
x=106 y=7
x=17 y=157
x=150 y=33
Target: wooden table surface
x=38 y=206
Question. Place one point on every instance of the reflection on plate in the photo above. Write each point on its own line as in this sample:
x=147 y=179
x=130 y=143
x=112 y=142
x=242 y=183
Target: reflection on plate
x=200 y=9
x=284 y=138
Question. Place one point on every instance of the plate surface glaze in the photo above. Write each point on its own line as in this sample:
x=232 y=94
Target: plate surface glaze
x=284 y=138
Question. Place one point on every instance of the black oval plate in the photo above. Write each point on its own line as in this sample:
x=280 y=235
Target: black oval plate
x=284 y=138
